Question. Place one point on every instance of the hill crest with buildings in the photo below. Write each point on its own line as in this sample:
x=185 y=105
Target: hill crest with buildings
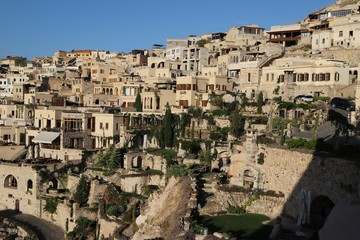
x=250 y=104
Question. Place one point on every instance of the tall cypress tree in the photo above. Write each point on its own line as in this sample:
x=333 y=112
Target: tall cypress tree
x=168 y=128
x=236 y=124
x=138 y=103
x=260 y=102
x=81 y=195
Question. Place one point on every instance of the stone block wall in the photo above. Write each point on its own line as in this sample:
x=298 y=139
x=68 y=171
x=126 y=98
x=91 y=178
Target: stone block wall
x=267 y=205
x=290 y=171
x=19 y=188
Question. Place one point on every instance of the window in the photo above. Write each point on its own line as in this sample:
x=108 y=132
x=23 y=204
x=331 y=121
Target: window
x=117 y=126
x=317 y=42
x=322 y=76
x=341 y=33
x=249 y=77
x=29 y=184
x=106 y=125
x=10 y=182
x=183 y=103
x=306 y=77
x=351 y=33
x=281 y=78
x=323 y=41
x=327 y=76
x=337 y=76
x=101 y=125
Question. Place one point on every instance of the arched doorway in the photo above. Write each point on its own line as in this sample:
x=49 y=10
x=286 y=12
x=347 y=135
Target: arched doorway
x=320 y=209
x=249 y=179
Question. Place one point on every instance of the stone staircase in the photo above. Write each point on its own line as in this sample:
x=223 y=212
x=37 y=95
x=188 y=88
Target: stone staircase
x=208 y=201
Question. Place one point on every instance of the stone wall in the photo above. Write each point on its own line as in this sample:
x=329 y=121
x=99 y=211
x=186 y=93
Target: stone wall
x=61 y=216
x=350 y=56
x=66 y=214
x=267 y=205
x=19 y=188
x=290 y=171
x=87 y=141
x=134 y=183
x=144 y=160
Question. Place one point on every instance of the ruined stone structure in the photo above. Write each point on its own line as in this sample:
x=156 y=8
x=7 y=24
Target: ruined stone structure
x=142 y=160
x=19 y=188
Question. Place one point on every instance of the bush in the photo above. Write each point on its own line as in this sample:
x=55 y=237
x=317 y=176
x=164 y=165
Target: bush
x=236 y=210
x=261 y=158
x=116 y=210
x=262 y=139
x=148 y=189
x=51 y=205
x=177 y=171
x=302 y=143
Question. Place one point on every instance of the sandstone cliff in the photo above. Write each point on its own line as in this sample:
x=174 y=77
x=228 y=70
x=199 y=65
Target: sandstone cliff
x=162 y=217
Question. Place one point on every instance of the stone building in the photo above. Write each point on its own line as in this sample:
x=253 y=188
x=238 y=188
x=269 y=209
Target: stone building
x=19 y=188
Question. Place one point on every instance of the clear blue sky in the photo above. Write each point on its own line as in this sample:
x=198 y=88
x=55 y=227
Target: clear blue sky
x=40 y=27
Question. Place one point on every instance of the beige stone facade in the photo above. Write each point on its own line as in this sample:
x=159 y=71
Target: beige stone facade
x=20 y=188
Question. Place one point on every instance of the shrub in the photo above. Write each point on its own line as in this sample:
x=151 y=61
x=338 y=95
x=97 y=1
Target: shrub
x=148 y=189
x=262 y=139
x=236 y=210
x=51 y=205
x=261 y=158
x=302 y=143
x=116 y=210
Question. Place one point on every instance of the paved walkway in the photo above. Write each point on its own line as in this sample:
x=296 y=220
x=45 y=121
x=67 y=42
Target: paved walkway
x=42 y=228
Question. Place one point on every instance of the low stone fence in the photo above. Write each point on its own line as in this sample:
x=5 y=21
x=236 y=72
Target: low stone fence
x=268 y=203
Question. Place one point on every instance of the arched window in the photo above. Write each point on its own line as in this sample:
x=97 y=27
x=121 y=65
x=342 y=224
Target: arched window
x=29 y=184
x=10 y=182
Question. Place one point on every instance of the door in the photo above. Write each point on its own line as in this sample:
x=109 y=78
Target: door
x=17 y=205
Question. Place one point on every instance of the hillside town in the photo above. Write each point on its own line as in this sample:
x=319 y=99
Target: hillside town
x=173 y=141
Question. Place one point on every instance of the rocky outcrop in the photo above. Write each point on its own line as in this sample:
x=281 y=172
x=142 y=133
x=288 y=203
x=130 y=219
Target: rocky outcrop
x=11 y=230
x=165 y=212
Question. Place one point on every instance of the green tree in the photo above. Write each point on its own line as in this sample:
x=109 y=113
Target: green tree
x=184 y=122
x=114 y=160
x=168 y=128
x=260 y=102
x=138 y=103
x=236 y=124
x=51 y=205
x=81 y=195
x=84 y=229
